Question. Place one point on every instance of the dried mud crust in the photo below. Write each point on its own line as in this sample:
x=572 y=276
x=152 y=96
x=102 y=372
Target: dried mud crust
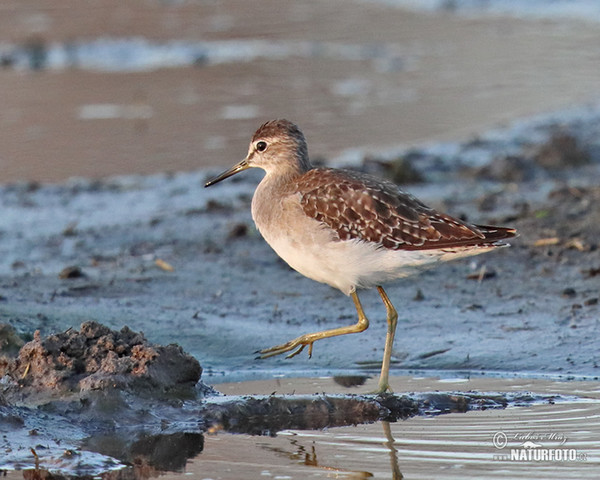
x=96 y=357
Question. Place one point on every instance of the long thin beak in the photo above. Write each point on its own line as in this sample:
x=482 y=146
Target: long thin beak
x=238 y=167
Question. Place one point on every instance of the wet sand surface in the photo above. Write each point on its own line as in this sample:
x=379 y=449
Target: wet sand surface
x=355 y=75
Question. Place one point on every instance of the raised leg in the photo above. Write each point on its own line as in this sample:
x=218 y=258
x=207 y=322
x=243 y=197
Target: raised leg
x=392 y=321
x=301 y=342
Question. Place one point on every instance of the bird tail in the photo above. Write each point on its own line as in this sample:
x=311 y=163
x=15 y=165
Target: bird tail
x=496 y=235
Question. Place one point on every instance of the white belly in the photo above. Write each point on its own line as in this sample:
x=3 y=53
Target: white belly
x=312 y=249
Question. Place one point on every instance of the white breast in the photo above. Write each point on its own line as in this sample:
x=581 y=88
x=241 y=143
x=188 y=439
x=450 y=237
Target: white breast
x=312 y=248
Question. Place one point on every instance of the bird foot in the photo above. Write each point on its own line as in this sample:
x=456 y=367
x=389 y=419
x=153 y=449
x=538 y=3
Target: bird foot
x=299 y=344
x=382 y=389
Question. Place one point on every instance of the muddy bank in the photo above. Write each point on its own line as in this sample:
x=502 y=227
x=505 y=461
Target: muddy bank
x=185 y=265
x=95 y=358
x=92 y=401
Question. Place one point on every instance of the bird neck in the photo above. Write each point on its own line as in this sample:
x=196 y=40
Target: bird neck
x=285 y=174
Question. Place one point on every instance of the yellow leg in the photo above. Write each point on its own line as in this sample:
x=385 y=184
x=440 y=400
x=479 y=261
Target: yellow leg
x=392 y=321
x=301 y=342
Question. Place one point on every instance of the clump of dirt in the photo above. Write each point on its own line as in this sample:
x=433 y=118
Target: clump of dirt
x=267 y=416
x=402 y=171
x=96 y=358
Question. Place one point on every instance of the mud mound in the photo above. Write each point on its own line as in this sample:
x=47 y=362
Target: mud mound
x=96 y=357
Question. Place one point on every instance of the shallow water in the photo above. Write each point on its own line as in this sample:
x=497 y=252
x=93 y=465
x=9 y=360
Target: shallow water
x=477 y=444
x=449 y=446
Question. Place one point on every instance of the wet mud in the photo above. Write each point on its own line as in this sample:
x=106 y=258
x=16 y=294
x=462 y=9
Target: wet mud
x=88 y=402
x=185 y=265
x=83 y=395
x=95 y=358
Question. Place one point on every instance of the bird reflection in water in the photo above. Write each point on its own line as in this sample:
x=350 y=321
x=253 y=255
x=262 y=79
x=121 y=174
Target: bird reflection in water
x=308 y=456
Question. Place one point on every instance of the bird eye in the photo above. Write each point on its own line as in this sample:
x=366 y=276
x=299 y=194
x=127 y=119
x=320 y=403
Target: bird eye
x=261 y=146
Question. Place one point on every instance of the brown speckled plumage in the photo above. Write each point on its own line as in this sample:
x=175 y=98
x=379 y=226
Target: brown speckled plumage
x=361 y=207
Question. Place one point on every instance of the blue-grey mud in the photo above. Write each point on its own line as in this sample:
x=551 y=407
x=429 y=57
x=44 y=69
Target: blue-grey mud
x=184 y=265
x=93 y=403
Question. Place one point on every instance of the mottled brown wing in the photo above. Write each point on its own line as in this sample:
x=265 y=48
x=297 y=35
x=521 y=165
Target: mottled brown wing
x=358 y=206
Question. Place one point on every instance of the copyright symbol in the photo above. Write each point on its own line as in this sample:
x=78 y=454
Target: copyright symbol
x=500 y=440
